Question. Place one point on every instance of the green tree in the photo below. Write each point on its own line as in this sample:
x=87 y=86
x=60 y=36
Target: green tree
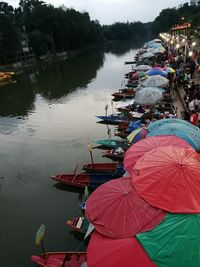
x=9 y=39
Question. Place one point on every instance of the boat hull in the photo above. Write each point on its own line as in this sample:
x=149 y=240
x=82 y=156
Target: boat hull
x=58 y=259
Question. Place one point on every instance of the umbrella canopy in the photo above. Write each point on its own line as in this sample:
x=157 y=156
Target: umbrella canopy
x=138 y=75
x=158 y=50
x=136 y=135
x=189 y=134
x=169 y=70
x=107 y=252
x=169 y=178
x=148 y=96
x=159 y=123
x=155 y=81
x=157 y=41
x=174 y=242
x=147 y=55
x=156 y=72
x=116 y=210
x=142 y=68
x=136 y=151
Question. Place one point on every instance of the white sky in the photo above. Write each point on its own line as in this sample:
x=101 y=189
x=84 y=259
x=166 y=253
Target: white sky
x=111 y=11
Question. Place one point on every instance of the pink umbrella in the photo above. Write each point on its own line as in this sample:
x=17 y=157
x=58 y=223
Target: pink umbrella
x=137 y=150
x=117 y=211
x=107 y=252
x=169 y=178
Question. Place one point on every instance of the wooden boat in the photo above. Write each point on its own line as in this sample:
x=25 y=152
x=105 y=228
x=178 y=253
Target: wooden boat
x=112 y=143
x=78 y=224
x=60 y=259
x=100 y=167
x=112 y=154
x=124 y=95
x=114 y=118
x=93 y=180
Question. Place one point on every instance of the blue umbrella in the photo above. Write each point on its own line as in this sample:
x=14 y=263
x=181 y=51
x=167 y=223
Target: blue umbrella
x=158 y=123
x=188 y=134
x=156 y=72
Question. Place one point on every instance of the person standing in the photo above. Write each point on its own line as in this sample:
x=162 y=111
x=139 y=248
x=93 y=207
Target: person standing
x=192 y=68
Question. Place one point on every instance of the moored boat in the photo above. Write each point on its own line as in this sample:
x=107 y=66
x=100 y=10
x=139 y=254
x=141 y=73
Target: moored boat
x=93 y=180
x=114 y=118
x=102 y=167
x=114 y=154
x=78 y=224
x=112 y=143
x=60 y=259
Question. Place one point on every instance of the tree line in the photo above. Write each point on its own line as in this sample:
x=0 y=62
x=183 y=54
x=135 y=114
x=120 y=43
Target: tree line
x=48 y=29
x=171 y=16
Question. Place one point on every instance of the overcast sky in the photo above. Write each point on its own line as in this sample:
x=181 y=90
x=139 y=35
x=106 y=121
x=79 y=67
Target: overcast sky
x=111 y=11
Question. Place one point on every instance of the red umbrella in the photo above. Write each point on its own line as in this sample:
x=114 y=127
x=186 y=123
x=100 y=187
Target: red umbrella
x=107 y=252
x=169 y=178
x=117 y=211
x=137 y=150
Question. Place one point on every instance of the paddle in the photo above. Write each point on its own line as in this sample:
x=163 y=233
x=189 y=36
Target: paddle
x=39 y=237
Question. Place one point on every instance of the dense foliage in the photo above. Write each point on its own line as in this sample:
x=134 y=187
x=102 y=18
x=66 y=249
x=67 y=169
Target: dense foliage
x=172 y=16
x=48 y=29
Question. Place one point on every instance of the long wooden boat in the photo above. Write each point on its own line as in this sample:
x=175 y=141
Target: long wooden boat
x=124 y=95
x=114 y=118
x=112 y=143
x=112 y=154
x=78 y=224
x=60 y=259
x=93 y=180
x=101 y=167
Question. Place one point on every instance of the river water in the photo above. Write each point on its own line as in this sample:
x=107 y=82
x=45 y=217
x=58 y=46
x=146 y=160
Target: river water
x=46 y=121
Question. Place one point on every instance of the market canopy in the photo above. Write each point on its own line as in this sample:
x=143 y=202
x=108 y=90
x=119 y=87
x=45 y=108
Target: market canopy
x=136 y=135
x=182 y=130
x=117 y=211
x=148 y=96
x=159 y=123
x=107 y=252
x=169 y=178
x=138 y=150
x=155 y=81
x=175 y=242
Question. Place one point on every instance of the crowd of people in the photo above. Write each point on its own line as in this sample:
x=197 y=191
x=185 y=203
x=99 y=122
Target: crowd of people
x=186 y=70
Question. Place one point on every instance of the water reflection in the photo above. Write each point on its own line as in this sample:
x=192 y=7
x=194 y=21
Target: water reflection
x=17 y=99
x=63 y=78
x=121 y=47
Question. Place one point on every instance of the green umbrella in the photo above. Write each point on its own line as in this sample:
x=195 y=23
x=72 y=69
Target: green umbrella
x=174 y=242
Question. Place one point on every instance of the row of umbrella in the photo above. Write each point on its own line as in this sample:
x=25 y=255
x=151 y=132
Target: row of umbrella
x=151 y=217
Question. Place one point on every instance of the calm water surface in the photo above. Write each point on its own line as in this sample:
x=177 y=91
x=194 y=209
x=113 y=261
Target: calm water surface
x=46 y=121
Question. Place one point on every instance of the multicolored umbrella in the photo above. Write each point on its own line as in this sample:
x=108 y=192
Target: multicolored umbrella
x=136 y=135
x=169 y=178
x=169 y=70
x=117 y=211
x=138 y=75
x=138 y=150
x=175 y=242
x=148 y=96
x=107 y=252
x=159 y=123
x=155 y=81
x=156 y=72
x=183 y=131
